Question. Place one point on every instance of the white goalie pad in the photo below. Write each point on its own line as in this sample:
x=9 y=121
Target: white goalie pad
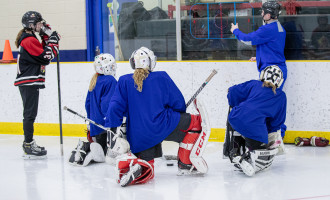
x=275 y=141
x=96 y=154
x=200 y=145
x=82 y=155
x=262 y=158
x=121 y=147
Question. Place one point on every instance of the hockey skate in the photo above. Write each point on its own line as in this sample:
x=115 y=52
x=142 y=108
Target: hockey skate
x=33 y=151
x=187 y=169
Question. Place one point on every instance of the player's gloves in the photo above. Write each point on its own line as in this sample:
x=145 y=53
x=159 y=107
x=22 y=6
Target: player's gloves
x=319 y=141
x=302 y=141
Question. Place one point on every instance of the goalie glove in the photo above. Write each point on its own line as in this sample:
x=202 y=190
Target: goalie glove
x=319 y=141
x=117 y=146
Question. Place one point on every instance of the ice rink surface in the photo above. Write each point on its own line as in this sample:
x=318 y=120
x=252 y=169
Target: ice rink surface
x=302 y=173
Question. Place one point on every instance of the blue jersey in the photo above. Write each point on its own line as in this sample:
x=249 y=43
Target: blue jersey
x=256 y=110
x=151 y=114
x=270 y=42
x=97 y=101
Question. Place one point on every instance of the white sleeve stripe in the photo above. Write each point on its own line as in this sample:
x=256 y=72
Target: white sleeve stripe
x=30 y=77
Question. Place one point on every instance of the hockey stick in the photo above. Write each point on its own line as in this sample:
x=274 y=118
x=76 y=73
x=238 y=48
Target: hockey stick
x=214 y=72
x=86 y=119
x=228 y=138
x=114 y=26
x=59 y=101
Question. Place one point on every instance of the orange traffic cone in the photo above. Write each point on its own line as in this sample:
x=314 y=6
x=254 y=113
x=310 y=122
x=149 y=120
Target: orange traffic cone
x=7 y=56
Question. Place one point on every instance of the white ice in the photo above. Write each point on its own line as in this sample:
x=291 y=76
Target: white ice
x=302 y=173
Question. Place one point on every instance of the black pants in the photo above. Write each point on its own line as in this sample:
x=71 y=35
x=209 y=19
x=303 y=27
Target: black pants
x=102 y=140
x=30 y=98
x=176 y=136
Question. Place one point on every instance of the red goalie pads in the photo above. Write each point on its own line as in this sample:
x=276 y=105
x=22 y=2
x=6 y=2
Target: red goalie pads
x=126 y=160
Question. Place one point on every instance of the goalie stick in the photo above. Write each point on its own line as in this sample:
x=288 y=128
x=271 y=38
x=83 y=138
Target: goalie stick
x=214 y=72
x=86 y=119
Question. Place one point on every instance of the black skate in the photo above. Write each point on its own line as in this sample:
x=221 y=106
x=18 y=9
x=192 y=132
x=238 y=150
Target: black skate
x=33 y=151
x=186 y=169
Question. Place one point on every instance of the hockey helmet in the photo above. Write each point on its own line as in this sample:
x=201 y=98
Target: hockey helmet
x=273 y=8
x=272 y=74
x=105 y=64
x=30 y=19
x=143 y=58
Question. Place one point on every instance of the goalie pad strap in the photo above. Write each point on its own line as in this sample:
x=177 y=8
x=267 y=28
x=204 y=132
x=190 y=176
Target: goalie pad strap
x=186 y=146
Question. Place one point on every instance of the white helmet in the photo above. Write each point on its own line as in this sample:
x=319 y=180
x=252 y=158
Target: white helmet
x=143 y=58
x=105 y=64
x=272 y=74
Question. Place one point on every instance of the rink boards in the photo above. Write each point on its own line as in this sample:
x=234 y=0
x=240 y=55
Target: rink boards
x=308 y=110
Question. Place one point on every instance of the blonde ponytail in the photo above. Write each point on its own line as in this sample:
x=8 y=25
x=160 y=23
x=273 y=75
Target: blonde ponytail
x=139 y=76
x=269 y=85
x=18 y=37
x=93 y=82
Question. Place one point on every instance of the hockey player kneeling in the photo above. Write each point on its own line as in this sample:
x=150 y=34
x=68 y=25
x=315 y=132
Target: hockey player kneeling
x=85 y=153
x=156 y=111
x=258 y=108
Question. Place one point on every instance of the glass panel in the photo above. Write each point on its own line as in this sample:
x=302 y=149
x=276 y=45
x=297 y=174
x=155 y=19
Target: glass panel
x=144 y=23
x=205 y=28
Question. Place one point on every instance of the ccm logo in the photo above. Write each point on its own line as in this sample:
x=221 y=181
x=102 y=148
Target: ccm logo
x=200 y=144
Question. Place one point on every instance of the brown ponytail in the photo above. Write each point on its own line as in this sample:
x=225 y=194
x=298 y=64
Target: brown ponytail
x=93 y=82
x=139 y=76
x=18 y=37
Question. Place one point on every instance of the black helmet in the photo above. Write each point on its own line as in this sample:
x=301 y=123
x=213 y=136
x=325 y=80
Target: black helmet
x=31 y=17
x=273 y=8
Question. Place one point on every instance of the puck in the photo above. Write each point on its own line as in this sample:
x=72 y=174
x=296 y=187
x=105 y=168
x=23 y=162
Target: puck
x=170 y=164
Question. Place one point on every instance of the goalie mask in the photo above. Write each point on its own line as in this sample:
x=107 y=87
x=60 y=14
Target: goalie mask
x=30 y=19
x=143 y=58
x=272 y=74
x=105 y=64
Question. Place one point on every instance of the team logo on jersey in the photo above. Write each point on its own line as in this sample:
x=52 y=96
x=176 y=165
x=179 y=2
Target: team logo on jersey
x=43 y=69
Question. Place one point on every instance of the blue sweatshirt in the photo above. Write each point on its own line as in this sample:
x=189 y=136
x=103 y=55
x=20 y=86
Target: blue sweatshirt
x=256 y=110
x=270 y=41
x=151 y=114
x=97 y=101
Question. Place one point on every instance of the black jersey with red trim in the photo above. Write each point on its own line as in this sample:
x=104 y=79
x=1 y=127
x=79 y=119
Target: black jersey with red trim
x=31 y=61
